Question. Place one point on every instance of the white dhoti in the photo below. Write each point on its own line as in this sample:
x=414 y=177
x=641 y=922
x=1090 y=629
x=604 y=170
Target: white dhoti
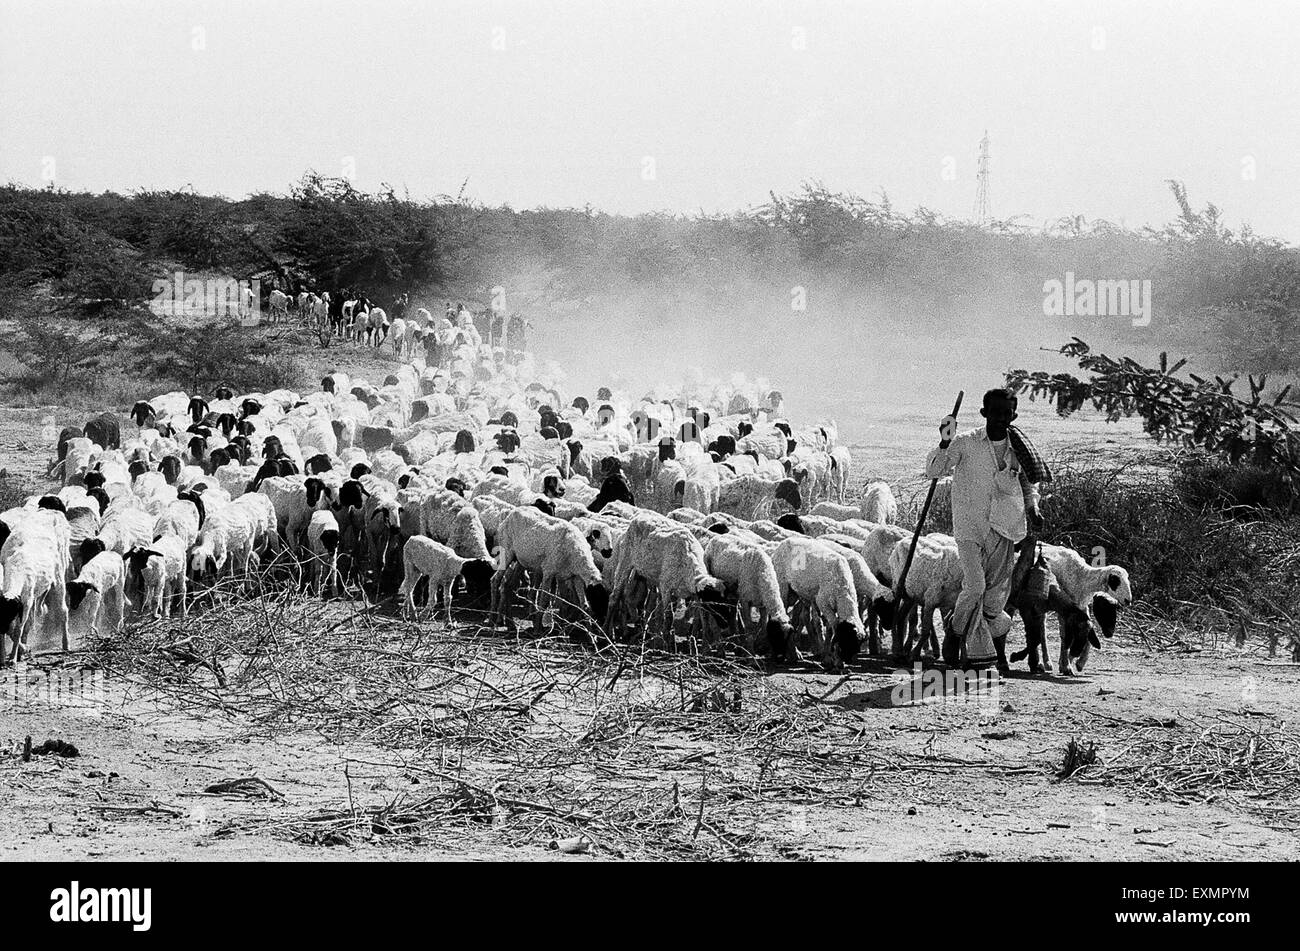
x=986 y=581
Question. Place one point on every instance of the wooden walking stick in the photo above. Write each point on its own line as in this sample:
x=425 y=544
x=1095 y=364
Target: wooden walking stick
x=901 y=581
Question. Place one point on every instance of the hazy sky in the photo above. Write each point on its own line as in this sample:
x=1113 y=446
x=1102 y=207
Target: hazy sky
x=634 y=106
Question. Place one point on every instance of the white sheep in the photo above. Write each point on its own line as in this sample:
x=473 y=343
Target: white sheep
x=836 y=510
x=747 y=571
x=162 y=571
x=553 y=550
x=288 y=495
x=934 y=582
x=424 y=557
x=382 y=519
x=841 y=468
x=96 y=598
x=226 y=539
x=180 y=518
x=878 y=504
x=757 y=496
x=669 y=560
x=323 y=551
x=34 y=564
x=261 y=517
x=1079 y=581
x=818 y=576
x=1079 y=592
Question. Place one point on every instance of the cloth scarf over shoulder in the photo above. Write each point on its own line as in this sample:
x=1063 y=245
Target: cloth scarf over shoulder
x=1032 y=462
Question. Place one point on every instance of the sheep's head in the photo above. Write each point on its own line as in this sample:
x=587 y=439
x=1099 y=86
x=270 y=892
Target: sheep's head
x=359 y=470
x=1106 y=611
x=787 y=491
x=597 y=600
x=203 y=564
x=319 y=463
x=10 y=610
x=542 y=505
x=779 y=634
x=53 y=503
x=90 y=547
x=388 y=514
x=464 y=441
x=138 y=558
x=884 y=607
x=711 y=589
x=845 y=642
x=477 y=573
x=791 y=522
x=170 y=466
x=1117 y=586
x=319 y=495
x=600 y=542
x=77 y=591
x=507 y=441
x=142 y=413
x=100 y=497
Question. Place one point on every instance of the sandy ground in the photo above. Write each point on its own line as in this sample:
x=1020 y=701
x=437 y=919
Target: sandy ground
x=981 y=782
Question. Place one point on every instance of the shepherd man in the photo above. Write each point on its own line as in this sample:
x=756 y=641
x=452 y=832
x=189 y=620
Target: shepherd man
x=995 y=475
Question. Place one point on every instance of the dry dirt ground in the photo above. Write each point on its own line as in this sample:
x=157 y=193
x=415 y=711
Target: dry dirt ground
x=850 y=775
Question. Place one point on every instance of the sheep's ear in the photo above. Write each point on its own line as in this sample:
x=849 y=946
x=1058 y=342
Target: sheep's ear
x=1092 y=638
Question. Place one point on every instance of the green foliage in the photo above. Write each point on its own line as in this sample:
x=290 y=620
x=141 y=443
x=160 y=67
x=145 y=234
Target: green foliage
x=201 y=356
x=1179 y=551
x=1195 y=413
x=62 y=352
x=1237 y=292
x=345 y=237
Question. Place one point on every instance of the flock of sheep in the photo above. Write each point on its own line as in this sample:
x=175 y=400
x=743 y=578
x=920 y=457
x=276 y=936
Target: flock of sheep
x=478 y=475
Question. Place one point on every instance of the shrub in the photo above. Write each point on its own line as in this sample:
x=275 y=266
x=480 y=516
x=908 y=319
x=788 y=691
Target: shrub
x=62 y=352
x=201 y=356
x=1142 y=514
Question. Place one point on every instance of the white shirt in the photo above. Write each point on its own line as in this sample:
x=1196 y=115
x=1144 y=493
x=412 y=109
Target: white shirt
x=970 y=460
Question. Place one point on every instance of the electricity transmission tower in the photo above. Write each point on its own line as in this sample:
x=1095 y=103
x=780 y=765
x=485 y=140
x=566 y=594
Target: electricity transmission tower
x=982 y=178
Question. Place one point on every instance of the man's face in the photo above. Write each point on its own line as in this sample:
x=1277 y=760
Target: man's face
x=999 y=414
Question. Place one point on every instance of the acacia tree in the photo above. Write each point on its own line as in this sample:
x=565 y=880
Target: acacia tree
x=1193 y=412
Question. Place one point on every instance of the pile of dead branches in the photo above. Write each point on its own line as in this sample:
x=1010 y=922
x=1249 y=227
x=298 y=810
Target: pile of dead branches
x=532 y=741
x=1258 y=767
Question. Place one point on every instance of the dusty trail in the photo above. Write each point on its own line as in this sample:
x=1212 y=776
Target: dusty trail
x=967 y=781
